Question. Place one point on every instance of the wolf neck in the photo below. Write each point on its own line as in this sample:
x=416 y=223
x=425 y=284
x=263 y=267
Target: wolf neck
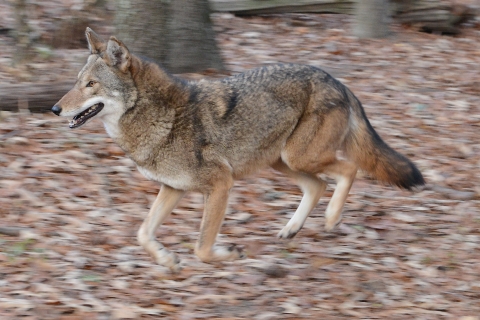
x=143 y=129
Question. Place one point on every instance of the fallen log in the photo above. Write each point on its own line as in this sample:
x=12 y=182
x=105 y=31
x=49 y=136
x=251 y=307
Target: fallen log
x=439 y=16
x=254 y=7
x=32 y=96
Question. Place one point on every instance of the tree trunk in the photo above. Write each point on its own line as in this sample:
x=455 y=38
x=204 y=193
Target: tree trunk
x=372 y=18
x=176 y=33
x=22 y=33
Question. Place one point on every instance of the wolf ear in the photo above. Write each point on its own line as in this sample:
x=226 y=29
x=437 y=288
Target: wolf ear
x=118 y=54
x=95 y=43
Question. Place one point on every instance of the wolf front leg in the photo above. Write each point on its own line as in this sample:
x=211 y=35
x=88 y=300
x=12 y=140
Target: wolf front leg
x=163 y=205
x=215 y=205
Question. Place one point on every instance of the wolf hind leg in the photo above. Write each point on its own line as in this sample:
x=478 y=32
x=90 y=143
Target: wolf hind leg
x=344 y=173
x=163 y=205
x=312 y=188
x=215 y=206
x=312 y=148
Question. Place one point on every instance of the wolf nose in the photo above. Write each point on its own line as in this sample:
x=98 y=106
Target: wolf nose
x=56 y=109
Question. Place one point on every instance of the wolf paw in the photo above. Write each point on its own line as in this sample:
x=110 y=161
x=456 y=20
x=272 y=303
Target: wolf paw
x=289 y=231
x=168 y=259
x=237 y=251
x=230 y=253
x=176 y=268
x=218 y=253
x=332 y=223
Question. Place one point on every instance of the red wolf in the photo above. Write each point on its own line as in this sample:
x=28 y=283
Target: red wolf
x=201 y=136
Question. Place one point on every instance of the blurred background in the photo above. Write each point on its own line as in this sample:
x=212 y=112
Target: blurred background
x=71 y=202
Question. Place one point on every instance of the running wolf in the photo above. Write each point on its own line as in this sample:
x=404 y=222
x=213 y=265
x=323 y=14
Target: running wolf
x=201 y=136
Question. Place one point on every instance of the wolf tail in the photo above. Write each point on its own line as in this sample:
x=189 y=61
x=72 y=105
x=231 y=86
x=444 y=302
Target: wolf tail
x=365 y=147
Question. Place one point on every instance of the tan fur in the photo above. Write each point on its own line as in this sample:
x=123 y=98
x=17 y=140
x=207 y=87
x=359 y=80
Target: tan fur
x=201 y=136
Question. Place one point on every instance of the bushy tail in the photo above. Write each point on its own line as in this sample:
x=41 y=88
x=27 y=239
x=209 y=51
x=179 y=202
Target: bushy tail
x=365 y=147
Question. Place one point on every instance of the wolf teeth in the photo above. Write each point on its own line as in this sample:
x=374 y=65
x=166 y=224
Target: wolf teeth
x=82 y=117
x=91 y=109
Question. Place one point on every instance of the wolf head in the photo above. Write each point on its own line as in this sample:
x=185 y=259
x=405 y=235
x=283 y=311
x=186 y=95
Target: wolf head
x=104 y=86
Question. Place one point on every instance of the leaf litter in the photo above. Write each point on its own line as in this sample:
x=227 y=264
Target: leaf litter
x=71 y=203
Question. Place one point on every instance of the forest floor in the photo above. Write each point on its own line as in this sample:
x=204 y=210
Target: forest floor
x=72 y=202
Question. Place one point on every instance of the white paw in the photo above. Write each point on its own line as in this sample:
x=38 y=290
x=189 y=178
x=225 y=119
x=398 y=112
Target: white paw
x=229 y=253
x=289 y=231
x=220 y=253
x=168 y=259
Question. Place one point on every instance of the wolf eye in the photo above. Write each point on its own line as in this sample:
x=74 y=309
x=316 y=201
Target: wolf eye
x=90 y=83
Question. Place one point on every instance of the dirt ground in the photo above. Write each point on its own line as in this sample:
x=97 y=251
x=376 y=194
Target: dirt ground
x=71 y=203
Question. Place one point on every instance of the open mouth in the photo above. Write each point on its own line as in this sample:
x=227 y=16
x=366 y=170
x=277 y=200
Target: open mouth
x=83 y=116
